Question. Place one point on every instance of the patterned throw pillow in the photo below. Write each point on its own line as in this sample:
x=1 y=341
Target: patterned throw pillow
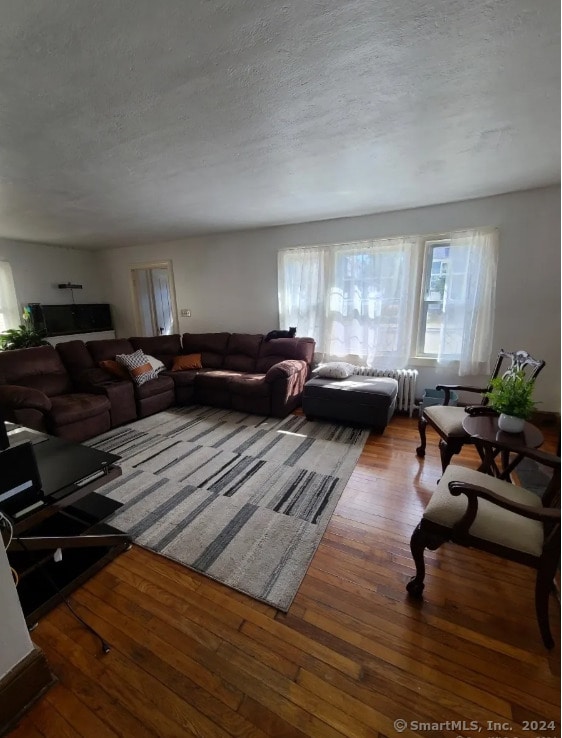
x=140 y=368
x=335 y=370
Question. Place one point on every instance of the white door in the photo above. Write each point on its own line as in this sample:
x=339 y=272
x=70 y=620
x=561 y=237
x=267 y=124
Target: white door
x=155 y=306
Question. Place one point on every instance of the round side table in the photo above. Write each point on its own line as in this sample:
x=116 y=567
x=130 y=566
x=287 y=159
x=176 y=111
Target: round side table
x=485 y=428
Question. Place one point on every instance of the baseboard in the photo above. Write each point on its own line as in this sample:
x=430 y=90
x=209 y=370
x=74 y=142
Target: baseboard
x=22 y=686
x=543 y=417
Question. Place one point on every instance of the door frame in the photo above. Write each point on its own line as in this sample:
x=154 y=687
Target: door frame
x=160 y=264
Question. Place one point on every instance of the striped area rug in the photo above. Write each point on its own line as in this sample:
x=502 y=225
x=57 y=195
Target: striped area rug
x=240 y=498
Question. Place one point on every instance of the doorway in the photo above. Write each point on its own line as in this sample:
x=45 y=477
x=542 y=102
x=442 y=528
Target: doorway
x=154 y=299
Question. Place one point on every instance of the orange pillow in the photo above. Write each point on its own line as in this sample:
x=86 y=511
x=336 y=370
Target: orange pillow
x=115 y=368
x=187 y=361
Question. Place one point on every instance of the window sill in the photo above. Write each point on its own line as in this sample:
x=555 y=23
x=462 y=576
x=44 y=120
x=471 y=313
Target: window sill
x=422 y=361
x=426 y=361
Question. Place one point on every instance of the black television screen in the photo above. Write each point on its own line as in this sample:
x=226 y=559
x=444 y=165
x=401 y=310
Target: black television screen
x=60 y=320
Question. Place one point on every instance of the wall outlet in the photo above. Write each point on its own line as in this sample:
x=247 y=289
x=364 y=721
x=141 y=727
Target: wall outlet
x=185 y=313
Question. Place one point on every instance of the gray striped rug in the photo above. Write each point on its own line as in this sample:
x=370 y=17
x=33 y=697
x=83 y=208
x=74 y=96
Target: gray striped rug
x=240 y=498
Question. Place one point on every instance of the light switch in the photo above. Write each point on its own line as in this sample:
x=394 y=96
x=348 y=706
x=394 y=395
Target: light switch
x=185 y=313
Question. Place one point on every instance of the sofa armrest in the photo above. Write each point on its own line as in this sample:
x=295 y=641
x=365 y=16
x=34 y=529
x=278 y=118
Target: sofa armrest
x=16 y=397
x=285 y=369
x=286 y=380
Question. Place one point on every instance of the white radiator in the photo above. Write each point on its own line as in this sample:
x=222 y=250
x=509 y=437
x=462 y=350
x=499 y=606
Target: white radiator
x=406 y=378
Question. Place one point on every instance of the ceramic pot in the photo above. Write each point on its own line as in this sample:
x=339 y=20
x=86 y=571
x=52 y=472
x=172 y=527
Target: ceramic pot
x=510 y=424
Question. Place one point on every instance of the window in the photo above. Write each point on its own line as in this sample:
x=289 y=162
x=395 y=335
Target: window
x=9 y=312
x=433 y=299
x=387 y=301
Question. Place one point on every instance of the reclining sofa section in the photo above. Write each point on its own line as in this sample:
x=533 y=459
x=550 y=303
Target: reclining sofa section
x=65 y=391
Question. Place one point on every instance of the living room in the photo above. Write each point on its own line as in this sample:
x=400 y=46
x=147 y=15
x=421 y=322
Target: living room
x=352 y=655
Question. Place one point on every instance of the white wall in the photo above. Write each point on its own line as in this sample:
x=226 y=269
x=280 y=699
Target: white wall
x=39 y=269
x=15 y=642
x=229 y=281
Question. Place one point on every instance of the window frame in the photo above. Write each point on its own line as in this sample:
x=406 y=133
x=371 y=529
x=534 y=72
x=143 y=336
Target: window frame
x=428 y=244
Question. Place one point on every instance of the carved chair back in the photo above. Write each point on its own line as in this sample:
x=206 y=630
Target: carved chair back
x=518 y=361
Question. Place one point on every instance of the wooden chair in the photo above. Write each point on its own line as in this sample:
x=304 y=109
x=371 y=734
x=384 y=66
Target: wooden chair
x=480 y=511
x=447 y=419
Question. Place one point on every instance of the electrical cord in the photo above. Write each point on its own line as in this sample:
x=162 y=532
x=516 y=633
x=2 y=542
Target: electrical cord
x=7 y=523
x=104 y=644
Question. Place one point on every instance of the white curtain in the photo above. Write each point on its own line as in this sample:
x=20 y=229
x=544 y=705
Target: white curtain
x=469 y=301
x=302 y=290
x=357 y=300
x=9 y=311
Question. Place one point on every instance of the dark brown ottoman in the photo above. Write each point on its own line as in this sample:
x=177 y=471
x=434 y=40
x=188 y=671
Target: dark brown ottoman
x=364 y=400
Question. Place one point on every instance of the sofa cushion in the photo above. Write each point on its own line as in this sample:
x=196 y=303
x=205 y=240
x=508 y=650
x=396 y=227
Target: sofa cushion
x=109 y=348
x=279 y=349
x=250 y=385
x=39 y=367
x=215 y=379
x=75 y=356
x=163 y=348
x=73 y=408
x=186 y=361
x=211 y=346
x=242 y=352
x=185 y=378
x=162 y=383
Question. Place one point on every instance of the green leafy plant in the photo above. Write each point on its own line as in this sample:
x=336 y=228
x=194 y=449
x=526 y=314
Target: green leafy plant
x=24 y=336
x=512 y=395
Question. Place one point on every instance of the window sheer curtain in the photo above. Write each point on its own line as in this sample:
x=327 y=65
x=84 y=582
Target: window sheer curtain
x=9 y=310
x=357 y=300
x=470 y=297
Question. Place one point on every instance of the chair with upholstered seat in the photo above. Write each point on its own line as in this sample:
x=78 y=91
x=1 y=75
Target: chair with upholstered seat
x=447 y=419
x=480 y=511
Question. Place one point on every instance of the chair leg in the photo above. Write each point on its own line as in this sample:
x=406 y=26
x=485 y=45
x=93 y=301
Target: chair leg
x=543 y=588
x=422 y=423
x=420 y=540
x=448 y=449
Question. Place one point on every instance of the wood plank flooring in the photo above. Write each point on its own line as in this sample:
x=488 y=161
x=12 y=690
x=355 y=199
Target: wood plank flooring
x=353 y=654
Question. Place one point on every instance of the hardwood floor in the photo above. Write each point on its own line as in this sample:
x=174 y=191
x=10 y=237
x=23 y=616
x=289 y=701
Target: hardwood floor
x=353 y=654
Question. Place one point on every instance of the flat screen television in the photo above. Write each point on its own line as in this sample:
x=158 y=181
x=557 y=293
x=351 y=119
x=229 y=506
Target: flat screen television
x=64 y=320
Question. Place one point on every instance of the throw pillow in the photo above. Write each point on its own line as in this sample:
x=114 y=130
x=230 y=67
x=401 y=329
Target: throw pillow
x=335 y=370
x=187 y=361
x=155 y=363
x=140 y=369
x=113 y=367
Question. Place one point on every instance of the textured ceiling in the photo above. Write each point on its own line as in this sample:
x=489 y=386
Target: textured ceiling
x=135 y=121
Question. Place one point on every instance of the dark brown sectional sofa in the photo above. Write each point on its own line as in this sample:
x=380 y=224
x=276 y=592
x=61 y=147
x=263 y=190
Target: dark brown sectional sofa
x=64 y=391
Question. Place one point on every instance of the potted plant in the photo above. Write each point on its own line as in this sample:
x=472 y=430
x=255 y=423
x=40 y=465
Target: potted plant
x=511 y=396
x=24 y=336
